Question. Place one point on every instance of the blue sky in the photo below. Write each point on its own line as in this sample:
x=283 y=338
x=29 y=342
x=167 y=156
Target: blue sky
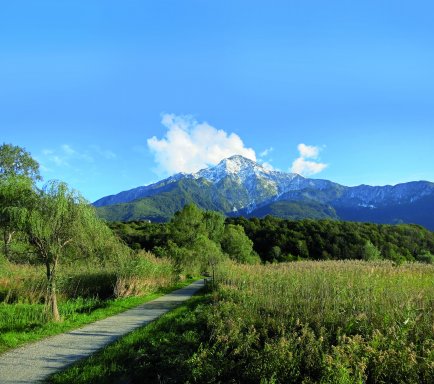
x=110 y=95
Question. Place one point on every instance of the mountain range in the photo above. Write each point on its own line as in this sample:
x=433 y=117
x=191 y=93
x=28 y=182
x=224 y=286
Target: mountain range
x=238 y=186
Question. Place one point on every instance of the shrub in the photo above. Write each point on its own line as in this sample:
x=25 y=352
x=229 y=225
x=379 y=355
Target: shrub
x=426 y=257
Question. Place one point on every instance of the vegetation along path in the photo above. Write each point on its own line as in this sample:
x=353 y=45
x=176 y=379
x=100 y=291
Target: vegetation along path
x=35 y=362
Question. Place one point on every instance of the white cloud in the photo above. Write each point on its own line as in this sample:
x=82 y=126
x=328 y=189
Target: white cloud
x=266 y=152
x=264 y=160
x=66 y=156
x=189 y=146
x=308 y=151
x=306 y=167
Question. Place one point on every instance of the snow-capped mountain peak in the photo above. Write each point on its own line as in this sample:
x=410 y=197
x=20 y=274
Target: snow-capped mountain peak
x=234 y=166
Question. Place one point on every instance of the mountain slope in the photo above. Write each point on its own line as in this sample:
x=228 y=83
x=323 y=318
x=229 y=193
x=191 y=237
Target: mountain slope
x=296 y=210
x=239 y=186
x=140 y=192
x=161 y=207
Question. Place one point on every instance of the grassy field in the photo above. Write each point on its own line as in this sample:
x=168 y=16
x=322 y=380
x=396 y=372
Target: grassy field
x=304 y=322
x=328 y=322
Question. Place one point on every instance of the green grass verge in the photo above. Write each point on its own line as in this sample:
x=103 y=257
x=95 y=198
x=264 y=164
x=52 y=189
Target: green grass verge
x=156 y=353
x=23 y=323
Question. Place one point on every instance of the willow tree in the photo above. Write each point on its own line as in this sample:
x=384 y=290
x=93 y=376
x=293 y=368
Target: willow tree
x=61 y=223
x=17 y=195
x=18 y=174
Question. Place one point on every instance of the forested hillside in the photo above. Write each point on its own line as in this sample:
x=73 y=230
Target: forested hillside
x=281 y=240
x=285 y=240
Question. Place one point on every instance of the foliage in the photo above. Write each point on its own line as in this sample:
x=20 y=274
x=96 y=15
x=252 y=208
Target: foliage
x=214 y=225
x=237 y=245
x=55 y=224
x=279 y=240
x=16 y=161
x=141 y=234
x=187 y=226
x=17 y=195
x=370 y=252
x=425 y=257
x=192 y=243
x=18 y=174
x=329 y=239
x=210 y=255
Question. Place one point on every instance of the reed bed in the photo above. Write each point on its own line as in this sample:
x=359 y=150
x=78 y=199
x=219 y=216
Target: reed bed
x=352 y=296
x=325 y=322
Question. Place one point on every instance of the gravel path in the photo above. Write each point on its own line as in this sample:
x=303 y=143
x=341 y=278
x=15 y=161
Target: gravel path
x=35 y=362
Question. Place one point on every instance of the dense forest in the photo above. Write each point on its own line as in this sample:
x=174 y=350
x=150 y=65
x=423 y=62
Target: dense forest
x=280 y=240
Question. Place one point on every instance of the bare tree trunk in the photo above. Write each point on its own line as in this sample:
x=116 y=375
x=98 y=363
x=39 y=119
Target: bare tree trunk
x=51 y=301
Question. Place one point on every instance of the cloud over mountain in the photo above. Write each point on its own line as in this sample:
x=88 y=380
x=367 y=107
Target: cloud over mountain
x=189 y=146
x=306 y=163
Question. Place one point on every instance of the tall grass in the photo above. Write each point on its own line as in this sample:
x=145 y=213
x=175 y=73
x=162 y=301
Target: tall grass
x=326 y=322
x=140 y=274
x=23 y=283
x=348 y=297
x=88 y=290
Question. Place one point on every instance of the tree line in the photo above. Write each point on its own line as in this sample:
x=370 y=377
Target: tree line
x=282 y=240
x=196 y=240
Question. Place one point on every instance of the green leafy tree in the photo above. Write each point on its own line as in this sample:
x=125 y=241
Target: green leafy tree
x=16 y=161
x=182 y=257
x=208 y=254
x=425 y=257
x=214 y=225
x=61 y=223
x=18 y=172
x=194 y=239
x=275 y=253
x=16 y=197
x=187 y=225
x=370 y=252
x=237 y=245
